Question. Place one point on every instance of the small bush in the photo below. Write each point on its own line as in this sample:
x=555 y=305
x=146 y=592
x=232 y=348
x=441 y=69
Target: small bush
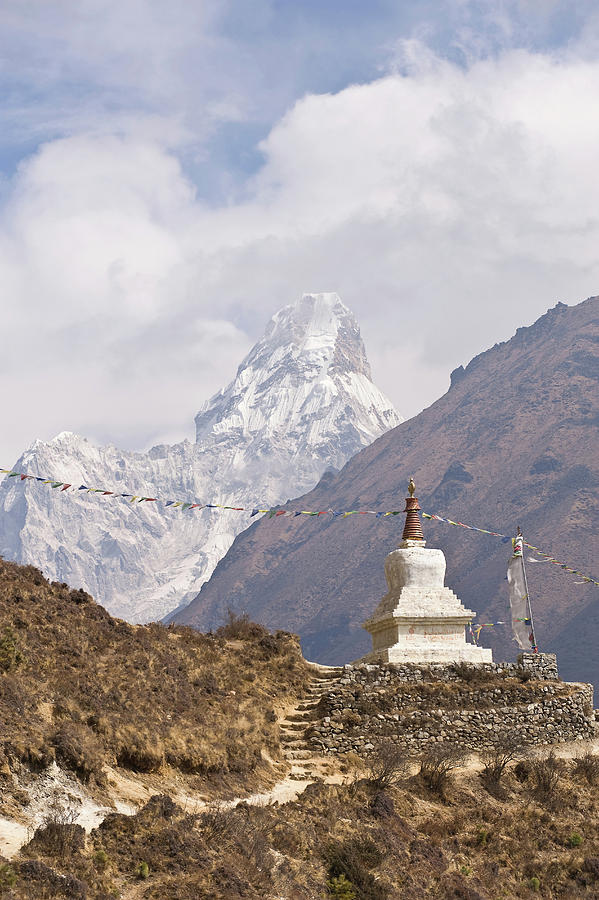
x=217 y=822
x=353 y=859
x=587 y=767
x=59 y=839
x=341 y=888
x=78 y=749
x=8 y=877
x=10 y=655
x=575 y=839
x=50 y=883
x=534 y=883
x=499 y=756
x=139 y=751
x=472 y=674
x=386 y=765
x=545 y=775
x=437 y=763
x=522 y=771
x=591 y=865
x=241 y=628
x=269 y=645
x=382 y=806
x=100 y=860
x=143 y=871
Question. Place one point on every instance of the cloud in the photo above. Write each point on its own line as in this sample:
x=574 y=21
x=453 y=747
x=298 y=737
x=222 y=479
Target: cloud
x=448 y=204
x=94 y=275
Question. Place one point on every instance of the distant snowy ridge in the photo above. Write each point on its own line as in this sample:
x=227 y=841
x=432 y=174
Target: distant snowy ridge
x=302 y=402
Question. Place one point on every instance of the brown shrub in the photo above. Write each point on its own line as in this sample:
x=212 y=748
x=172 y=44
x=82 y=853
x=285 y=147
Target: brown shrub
x=473 y=674
x=139 y=751
x=57 y=839
x=11 y=656
x=545 y=775
x=50 y=883
x=386 y=766
x=239 y=627
x=497 y=758
x=78 y=749
x=353 y=859
x=436 y=763
x=587 y=767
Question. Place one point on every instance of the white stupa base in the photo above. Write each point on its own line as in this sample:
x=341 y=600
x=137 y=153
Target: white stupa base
x=419 y=620
x=467 y=653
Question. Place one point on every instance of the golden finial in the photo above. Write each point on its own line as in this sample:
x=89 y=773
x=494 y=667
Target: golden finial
x=411 y=487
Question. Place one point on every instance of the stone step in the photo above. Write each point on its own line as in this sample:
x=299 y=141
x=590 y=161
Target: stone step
x=299 y=754
x=293 y=726
x=298 y=717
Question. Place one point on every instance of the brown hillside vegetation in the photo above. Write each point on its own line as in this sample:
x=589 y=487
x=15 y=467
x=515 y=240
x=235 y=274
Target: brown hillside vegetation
x=532 y=833
x=173 y=705
x=87 y=690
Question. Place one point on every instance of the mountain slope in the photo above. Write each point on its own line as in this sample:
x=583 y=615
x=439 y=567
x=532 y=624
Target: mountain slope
x=513 y=442
x=87 y=690
x=302 y=401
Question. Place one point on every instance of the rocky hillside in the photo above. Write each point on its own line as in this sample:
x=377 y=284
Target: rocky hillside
x=87 y=691
x=302 y=402
x=384 y=834
x=513 y=442
x=171 y=719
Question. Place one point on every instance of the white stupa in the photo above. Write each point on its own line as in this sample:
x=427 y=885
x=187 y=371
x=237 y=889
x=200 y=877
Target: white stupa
x=419 y=620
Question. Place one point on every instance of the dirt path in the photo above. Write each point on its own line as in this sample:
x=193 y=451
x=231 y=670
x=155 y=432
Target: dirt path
x=128 y=793
x=305 y=767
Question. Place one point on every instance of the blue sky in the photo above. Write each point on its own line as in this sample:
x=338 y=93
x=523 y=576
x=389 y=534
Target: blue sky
x=172 y=174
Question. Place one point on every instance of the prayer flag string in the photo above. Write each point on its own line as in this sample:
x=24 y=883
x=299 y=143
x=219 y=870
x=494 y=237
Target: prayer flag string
x=278 y=512
x=586 y=579
x=185 y=505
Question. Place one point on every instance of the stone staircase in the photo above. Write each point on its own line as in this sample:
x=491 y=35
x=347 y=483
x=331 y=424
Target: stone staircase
x=306 y=764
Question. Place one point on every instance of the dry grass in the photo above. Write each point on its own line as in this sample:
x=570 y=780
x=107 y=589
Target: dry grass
x=334 y=842
x=81 y=687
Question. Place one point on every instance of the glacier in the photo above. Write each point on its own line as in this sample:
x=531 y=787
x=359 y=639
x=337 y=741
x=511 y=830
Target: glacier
x=302 y=402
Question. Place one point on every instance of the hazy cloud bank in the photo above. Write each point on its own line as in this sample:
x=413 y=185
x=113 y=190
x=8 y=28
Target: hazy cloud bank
x=447 y=203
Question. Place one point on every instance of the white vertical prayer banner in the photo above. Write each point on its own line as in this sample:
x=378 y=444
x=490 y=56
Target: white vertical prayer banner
x=519 y=606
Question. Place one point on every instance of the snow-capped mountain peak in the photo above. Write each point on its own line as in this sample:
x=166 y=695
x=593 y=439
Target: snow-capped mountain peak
x=302 y=401
x=314 y=354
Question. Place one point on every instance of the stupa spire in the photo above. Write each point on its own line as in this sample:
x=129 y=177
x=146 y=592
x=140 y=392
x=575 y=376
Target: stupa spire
x=413 y=528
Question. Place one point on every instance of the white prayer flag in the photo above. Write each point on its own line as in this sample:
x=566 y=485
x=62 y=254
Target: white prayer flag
x=521 y=623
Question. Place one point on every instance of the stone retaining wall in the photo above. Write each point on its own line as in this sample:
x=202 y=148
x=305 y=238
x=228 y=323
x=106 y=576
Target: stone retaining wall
x=416 y=705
